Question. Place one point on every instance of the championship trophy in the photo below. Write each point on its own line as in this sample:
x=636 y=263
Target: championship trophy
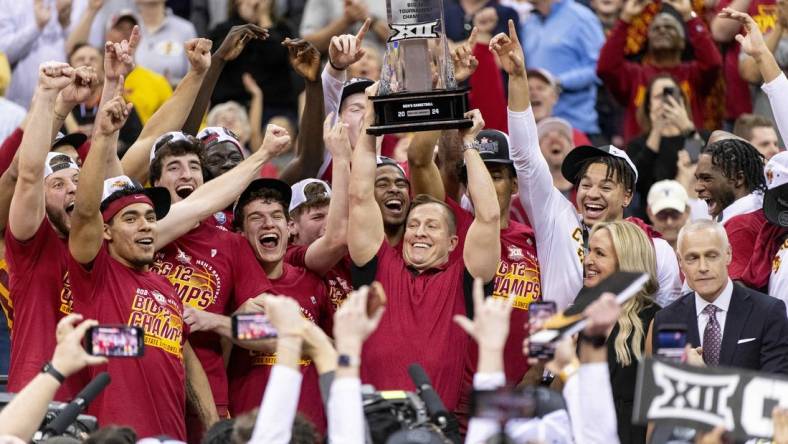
x=418 y=91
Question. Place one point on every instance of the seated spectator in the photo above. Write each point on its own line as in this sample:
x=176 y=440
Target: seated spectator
x=668 y=209
x=666 y=120
x=627 y=80
x=163 y=34
x=324 y=19
x=572 y=58
x=760 y=132
x=730 y=179
x=623 y=246
x=555 y=140
x=265 y=59
x=544 y=92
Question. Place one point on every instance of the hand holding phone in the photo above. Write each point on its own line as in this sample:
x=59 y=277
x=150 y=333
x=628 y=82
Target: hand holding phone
x=252 y=326
x=671 y=340
x=538 y=313
x=115 y=341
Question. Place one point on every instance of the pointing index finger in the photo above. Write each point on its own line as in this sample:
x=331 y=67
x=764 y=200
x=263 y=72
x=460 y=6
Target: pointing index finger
x=363 y=31
x=472 y=38
x=513 y=32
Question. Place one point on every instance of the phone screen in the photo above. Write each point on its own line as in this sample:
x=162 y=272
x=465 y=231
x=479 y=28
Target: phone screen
x=693 y=147
x=671 y=342
x=251 y=326
x=538 y=313
x=115 y=341
x=504 y=403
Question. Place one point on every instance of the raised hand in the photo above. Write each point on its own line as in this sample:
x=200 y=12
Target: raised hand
x=112 y=116
x=198 y=51
x=336 y=137
x=85 y=82
x=465 y=62
x=752 y=42
x=119 y=57
x=304 y=58
x=285 y=314
x=63 y=8
x=276 y=141
x=509 y=51
x=632 y=9
x=70 y=356
x=490 y=324
x=345 y=50
x=356 y=10
x=237 y=38
x=352 y=323
x=54 y=76
x=468 y=135
x=42 y=12
x=250 y=85
x=683 y=7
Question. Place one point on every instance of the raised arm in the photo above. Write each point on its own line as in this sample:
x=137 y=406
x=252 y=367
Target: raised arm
x=172 y=114
x=722 y=28
x=231 y=47
x=315 y=29
x=81 y=32
x=613 y=68
x=365 y=220
x=425 y=177
x=255 y=110
x=753 y=45
x=748 y=68
x=220 y=192
x=17 y=35
x=482 y=244
x=85 y=83
x=87 y=225
x=28 y=205
x=330 y=248
x=305 y=60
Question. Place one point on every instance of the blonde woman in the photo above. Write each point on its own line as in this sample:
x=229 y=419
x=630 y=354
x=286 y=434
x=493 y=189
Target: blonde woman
x=623 y=246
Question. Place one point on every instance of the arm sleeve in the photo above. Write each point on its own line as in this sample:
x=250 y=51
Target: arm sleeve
x=345 y=412
x=667 y=273
x=589 y=398
x=590 y=39
x=332 y=94
x=9 y=148
x=278 y=410
x=708 y=59
x=16 y=37
x=559 y=239
x=777 y=91
x=614 y=70
x=479 y=430
x=487 y=92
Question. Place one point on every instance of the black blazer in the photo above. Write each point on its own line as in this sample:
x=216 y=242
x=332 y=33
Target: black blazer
x=751 y=315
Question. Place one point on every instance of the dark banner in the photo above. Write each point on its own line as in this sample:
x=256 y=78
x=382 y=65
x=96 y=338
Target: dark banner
x=703 y=397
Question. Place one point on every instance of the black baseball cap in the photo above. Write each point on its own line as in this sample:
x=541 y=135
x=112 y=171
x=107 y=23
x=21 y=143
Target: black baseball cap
x=775 y=199
x=578 y=156
x=74 y=139
x=354 y=86
x=259 y=184
x=121 y=191
x=493 y=146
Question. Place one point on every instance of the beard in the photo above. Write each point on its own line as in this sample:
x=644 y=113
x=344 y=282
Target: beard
x=59 y=220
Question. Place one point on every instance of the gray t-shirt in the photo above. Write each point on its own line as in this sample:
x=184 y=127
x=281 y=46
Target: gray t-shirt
x=162 y=51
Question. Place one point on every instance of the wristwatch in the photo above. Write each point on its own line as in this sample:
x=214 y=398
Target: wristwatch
x=348 y=361
x=597 y=341
x=51 y=370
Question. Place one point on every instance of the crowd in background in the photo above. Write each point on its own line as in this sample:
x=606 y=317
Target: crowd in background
x=168 y=164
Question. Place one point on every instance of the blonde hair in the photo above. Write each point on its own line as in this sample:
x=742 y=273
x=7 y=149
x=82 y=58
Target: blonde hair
x=634 y=253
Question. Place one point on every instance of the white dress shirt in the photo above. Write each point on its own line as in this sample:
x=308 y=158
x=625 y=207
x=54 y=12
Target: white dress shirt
x=723 y=303
x=345 y=412
x=274 y=423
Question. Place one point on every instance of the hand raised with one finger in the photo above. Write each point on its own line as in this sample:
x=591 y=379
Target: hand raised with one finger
x=509 y=51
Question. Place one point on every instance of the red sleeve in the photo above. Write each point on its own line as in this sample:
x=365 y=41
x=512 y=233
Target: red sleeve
x=742 y=240
x=487 y=93
x=296 y=255
x=249 y=278
x=614 y=70
x=8 y=149
x=86 y=278
x=708 y=60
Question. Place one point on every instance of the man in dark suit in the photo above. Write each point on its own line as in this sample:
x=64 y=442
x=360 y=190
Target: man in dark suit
x=734 y=326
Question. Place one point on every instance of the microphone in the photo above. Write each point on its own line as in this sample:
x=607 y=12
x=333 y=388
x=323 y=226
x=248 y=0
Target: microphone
x=432 y=401
x=72 y=410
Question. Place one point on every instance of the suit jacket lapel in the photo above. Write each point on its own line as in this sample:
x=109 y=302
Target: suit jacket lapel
x=692 y=321
x=738 y=312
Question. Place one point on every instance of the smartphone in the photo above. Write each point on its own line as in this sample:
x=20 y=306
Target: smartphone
x=671 y=340
x=538 y=313
x=115 y=341
x=504 y=403
x=693 y=147
x=251 y=326
x=669 y=91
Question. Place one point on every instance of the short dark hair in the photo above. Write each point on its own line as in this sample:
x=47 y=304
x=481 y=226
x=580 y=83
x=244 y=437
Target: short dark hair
x=79 y=46
x=267 y=195
x=734 y=157
x=618 y=170
x=303 y=431
x=112 y=435
x=219 y=433
x=178 y=148
x=424 y=199
x=747 y=122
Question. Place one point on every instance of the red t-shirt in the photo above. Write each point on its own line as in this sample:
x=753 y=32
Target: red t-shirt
x=338 y=281
x=146 y=393
x=211 y=269
x=41 y=296
x=737 y=91
x=417 y=327
x=249 y=370
x=742 y=233
x=221 y=219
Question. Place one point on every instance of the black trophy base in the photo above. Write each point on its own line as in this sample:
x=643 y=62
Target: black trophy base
x=420 y=111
